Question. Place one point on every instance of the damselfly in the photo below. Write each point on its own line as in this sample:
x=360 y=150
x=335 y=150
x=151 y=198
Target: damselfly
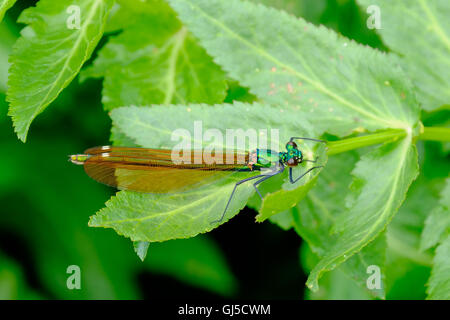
x=154 y=171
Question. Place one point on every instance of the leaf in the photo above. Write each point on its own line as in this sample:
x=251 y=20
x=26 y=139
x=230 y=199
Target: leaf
x=315 y=216
x=423 y=42
x=49 y=55
x=141 y=247
x=284 y=220
x=335 y=285
x=197 y=261
x=439 y=282
x=152 y=217
x=405 y=279
x=155 y=60
x=4 y=6
x=8 y=38
x=143 y=125
x=359 y=265
x=121 y=139
x=338 y=85
x=404 y=232
x=295 y=7
x=375 y=201
x=408 y=268
x=437 y=225
x=125 y=12
x=288 y=196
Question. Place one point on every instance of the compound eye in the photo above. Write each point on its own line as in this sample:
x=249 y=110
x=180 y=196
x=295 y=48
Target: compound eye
x=292 y=162
x=291 y=145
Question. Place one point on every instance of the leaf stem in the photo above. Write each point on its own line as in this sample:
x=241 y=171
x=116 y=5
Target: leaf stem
x=344 y=145
x=435 y=134
x=428 y=133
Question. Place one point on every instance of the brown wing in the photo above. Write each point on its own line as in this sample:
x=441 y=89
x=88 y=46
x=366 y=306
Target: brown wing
x=152 y=170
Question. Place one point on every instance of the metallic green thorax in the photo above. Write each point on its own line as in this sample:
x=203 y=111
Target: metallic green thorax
x=263 y=158
x=266 y=158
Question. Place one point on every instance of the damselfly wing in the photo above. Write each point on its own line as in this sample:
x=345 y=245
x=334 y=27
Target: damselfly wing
x=153 y=170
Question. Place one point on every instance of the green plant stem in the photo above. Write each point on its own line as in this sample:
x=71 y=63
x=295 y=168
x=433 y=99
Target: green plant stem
x=428 y=133
x=344 y=145
x=435 y=134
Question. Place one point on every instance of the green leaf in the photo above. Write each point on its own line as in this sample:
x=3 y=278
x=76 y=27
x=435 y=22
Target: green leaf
x=335 y=285
x=358 y=266
x=125 y=13
x=197 y=261
x=143 y=125
x=291 y=194
x=404 y=232
x=155 y=60
x=423 y=42
x=382 y=178
x=141 y=248
x=159 y=217
x=8 y=38
x=49 y=55
x=338 y=85
x=295 y=7
x=315 y=216
x=439 y=283
x=4 y=6
x=408 y=268
x=405 y=279
x=151 y=217
x=437 y=225
x=284 y=219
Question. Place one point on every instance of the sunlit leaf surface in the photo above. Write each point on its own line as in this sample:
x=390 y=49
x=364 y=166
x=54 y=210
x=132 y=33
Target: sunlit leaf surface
x=50 y=53
x=373 y=203
x=422 y=39
x=155 y=60
x=338 y=85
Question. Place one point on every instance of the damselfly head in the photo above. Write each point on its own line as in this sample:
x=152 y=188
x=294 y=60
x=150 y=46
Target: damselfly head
x=293 y=156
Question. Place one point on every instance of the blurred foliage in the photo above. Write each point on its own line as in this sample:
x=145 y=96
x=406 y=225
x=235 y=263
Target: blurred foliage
x=12 y=281
x=43 y=220
x=41 y=226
